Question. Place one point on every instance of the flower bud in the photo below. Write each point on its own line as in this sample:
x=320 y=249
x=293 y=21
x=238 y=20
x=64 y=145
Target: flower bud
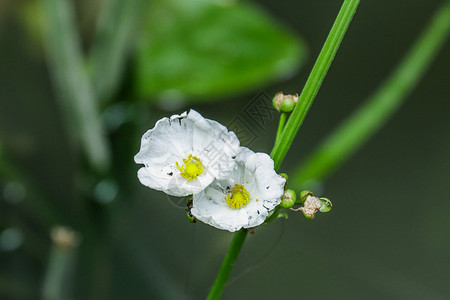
x=285 y=177
x=311 y=205
x=326 y=205
x=305 y=194
x=288 y=199
x=284 y=103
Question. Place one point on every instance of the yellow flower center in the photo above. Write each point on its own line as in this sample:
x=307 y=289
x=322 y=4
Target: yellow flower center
x=192 y=167
x=238 y=198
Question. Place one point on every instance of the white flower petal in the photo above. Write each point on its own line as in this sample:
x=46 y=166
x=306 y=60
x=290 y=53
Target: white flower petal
x=174 y=139
x=256 y=173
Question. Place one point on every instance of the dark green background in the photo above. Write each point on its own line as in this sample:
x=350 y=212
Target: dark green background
x=388 y=233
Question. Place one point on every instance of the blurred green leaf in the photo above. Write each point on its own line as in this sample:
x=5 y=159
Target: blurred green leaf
x=198 y=49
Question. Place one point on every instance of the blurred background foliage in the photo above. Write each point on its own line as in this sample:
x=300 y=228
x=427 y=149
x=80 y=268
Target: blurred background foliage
x=138 y=61
x=204 y=49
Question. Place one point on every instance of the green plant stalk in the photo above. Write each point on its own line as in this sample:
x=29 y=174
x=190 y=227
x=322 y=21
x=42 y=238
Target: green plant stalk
x=228 y=263
x=281 y=124
x=310 y=90
x=363 y=124
x=66 y=66
x=116 y=31
x=315 y=80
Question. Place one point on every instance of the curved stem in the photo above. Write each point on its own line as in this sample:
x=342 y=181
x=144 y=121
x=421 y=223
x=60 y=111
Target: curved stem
x=227 y=265
x=364 y=122
x=287 y=134
x=283 y=117
x=315 y=80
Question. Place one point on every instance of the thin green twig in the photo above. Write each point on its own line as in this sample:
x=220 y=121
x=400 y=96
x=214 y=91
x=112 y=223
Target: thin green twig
x=315 y=80
x=287 y=135
x=281 y=124
x=374 y=113
x=227 y=265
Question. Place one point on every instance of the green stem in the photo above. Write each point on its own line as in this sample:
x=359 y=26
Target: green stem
x=283 y=117
x=315 y=80
x=67 y=67
x=293 y=124
x=359 y=127
x=227 y=265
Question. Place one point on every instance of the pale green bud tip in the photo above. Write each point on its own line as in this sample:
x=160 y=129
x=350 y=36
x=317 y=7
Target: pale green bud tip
x=275 y=100
x=326 y=205
x=305 y=194
x=284 y=103
x=288 y=199
x=308 y=216
x=285 y=177
x=287 y=105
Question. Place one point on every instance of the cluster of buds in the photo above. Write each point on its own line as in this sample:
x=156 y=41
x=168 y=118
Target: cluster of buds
x=284 y=103
x=313 y=204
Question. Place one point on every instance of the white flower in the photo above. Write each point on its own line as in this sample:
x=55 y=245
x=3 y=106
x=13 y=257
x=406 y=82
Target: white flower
x=183 y=154
x=243 y=200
